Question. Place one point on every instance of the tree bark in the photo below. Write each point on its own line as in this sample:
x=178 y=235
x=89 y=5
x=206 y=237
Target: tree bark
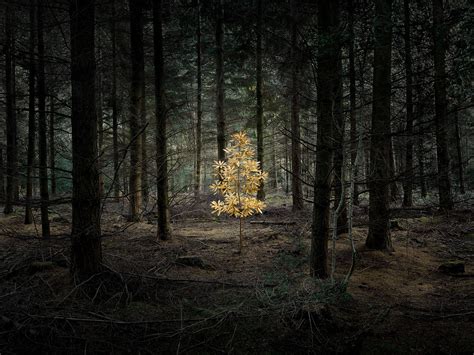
x=338 y=134
x=137 y=110
x=164 y=227
x=408 y=178
x=296 y=186
x=352 y=100
x=2 y=177
x=441 y=105
x=116 y=181
x=379 y=229
x=86 y=250
x=260 y=133
x=100 y=127
x=11 y=124
x=52 y=147
x=221 y=141
x=31 y=117
x=197 y=177
x=42 y=127
x=328 y=54
x=460 y=166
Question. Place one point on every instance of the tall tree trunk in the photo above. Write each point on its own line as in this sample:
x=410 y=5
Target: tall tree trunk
x=419 y=138
x=100 y=127
x=441 y=105
x=116 y=181
x=52 y=147
x=352 y=100
x=86 y=249
x=408 y=178
x=31 y=117
x=459 y=154
x=136 y=108
x=328 y=54
x=338 y=134
x=2 y=177
x=197 y=177
x=220 y=82
x=379 y=229
x=296 y=186
x=42 y=127
x=11 y=126
x=164 y=227
x=261 y=191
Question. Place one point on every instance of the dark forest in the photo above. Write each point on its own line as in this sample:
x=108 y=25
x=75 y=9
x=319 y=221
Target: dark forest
x=217 y=176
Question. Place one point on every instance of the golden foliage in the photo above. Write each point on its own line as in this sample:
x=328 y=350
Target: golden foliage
x=238 y=180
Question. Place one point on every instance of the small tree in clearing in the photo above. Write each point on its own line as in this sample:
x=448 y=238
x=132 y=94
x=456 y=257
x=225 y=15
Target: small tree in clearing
x=238 y=180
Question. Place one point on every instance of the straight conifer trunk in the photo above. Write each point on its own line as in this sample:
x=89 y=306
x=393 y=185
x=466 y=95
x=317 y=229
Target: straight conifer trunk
x=441 y=106
x=42 y=127
x=164 y=227
x=260 y=151
x=137 y=111
x=221 y=141
x=86 y=250
x=328 y=55
x=31 y=117
x=296 y=186
x=380 y=142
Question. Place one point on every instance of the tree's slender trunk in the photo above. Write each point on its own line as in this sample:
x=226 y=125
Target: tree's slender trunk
x=31 y=117
x=11 y=126
x=116 y=181
x=274 y=161
x=42 y=127
x=392 y=172
x=352 y=101
x=408 y=178
x=328 y=54
x=164 y=227
x=441 y=105
x=100 y=127
x=379 y=229
x=2 y=177
x=419 y=140
x=296 y=186
x=220 y=82
x=52 y=146
x=459 y=154
x=197 y=177
x=260 y=133
x=136 y=108
x=338 y=135
x=86 y=249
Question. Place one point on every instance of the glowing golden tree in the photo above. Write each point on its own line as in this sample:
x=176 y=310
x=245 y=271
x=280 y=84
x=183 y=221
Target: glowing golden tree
x=238 y=180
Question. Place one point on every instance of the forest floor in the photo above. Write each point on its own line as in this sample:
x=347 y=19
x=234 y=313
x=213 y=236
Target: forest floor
x=150 y=299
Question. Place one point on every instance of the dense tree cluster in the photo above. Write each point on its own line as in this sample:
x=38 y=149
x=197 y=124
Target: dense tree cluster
x=349 y=102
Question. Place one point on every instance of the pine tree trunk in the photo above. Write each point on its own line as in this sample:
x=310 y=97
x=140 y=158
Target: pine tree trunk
x=136 y=109
x=11 y=127
x=100 y=127
x=296 y=186
x=441 y=118
x=408 y=178
x=2 y=177
x=352 y=100
x=197 y=177
x=42 y=127
x=221 y=141
x=86 y=250
x=260 y=133
x=338 y=134
x=164 y=227
x=328 y=54
x=459 y=154
x=116 y=181
x=52 y=147
x=379 y=229
x=31 y=117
